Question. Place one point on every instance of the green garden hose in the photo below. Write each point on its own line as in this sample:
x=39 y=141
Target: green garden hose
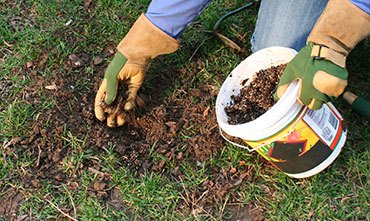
x=358 y=104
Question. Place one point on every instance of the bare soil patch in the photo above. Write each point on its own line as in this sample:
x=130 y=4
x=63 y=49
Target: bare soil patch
x=189 y=113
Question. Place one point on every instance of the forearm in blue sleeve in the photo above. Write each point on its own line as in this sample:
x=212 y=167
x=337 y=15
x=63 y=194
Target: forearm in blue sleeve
x=363 y=4
x=173 y=16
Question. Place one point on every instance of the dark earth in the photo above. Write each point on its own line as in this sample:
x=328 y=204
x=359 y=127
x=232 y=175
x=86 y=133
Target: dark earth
x=159 y=123
x=256 y=98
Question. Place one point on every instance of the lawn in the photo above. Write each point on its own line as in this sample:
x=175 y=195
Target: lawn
x=58 y=162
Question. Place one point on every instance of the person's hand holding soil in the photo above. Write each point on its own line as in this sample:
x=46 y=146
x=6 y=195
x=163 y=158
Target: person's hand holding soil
x=107 y=102
x=142 y=43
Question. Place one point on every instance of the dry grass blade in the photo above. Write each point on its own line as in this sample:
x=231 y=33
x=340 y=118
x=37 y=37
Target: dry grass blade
x=230 y=43
x=61 y=211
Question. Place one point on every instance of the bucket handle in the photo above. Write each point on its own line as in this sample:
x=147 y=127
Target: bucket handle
x=267 y=143
x=232 y=142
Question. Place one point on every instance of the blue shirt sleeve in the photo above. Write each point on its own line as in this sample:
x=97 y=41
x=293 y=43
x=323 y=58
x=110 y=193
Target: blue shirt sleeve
x=173 y=16
x=364 y=5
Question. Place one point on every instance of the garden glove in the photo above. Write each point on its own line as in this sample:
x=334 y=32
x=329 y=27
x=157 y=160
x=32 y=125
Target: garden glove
x=142 y=43
x=320 y=65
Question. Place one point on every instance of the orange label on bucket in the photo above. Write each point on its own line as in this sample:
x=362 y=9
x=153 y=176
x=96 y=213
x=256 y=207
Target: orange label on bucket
x=306 y=142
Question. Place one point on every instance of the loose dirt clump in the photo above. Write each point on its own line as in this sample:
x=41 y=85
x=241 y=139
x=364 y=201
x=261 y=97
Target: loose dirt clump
x=256 y=98
x=118 y=103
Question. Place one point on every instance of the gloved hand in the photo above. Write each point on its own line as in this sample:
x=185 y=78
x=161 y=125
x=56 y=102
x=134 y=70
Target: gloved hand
x=320 y=80
x=320 y=65
x=142 y=43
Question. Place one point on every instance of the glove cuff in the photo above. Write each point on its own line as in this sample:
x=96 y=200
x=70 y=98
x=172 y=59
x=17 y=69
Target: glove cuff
x=340 y=27
x=145 y=41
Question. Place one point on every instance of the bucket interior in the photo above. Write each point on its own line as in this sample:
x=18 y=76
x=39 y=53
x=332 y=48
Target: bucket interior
x=274 y=119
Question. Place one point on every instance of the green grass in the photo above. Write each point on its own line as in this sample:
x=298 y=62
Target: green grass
x=33 y=27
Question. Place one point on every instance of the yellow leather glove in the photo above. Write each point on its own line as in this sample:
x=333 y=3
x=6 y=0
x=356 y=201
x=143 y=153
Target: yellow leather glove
x=142 y=43
x=320 y=65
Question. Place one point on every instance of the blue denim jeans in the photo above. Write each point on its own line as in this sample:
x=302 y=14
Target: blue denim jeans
x=285 y=23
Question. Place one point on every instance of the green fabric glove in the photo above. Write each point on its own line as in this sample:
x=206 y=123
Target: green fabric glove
x=320 y=80
x=111 y=75
x=320 y=65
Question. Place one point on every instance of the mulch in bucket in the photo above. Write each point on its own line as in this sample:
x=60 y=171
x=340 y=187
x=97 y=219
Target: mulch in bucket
x=255 y=98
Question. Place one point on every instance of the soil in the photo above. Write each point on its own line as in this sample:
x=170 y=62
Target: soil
x=256 y=98
x=156 y=129
x=119 y=102
x=10 y=199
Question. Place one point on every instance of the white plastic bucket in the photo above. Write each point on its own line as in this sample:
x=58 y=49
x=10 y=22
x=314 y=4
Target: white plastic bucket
x=298 y=141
